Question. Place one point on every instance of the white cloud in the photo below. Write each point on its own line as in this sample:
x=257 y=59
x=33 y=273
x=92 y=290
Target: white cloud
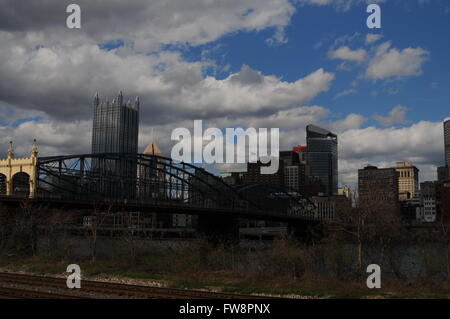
x=345 y=53
x=389 y=62
x=339 y=5
x=396 y=116
x=56 y=82
x=420 y=144
x=344 y=66
x=371 y=38
x=344 y=93
x=53 y=137
x=60 y=80
x=279 y=37
x=350 y=122
x=421 y=141
x=144 y=24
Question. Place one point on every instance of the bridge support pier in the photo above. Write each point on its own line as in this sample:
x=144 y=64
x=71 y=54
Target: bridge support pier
x=219 y=229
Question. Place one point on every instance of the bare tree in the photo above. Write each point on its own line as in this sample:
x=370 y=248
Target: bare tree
x=130 y=235
x=55 y=229
x=96 y=221
x=5 y=227
x=30 y=219
x=370 y=221
x=444 y=238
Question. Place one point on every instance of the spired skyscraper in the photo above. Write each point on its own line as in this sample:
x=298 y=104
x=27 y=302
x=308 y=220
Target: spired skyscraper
x=116 y=126
x=115 y=130
x=322 y=158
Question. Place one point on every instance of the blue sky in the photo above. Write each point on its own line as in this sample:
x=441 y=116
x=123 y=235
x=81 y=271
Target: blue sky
x=313 y=31
x=250 y=63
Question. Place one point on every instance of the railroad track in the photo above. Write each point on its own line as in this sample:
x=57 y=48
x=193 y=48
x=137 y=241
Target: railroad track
x=13 y=293
x=116 y=289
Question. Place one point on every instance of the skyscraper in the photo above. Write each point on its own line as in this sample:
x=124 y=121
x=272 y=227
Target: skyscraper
x=447 y=142
x=443 y=172
x=322 y=157
x=116 y=125
x=115 y=130
x=294 y=169
x=378 y=188
x=408 y=180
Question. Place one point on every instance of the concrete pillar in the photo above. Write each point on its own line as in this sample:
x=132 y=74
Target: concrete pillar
x=8 y=185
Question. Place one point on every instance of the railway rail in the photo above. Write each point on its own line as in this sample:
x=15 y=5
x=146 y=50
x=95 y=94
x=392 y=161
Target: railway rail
x=14 y=293
x=137 y=291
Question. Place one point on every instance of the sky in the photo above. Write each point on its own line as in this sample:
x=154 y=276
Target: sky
x=250 y=63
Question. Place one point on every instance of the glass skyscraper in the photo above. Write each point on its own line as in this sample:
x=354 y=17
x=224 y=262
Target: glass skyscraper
x=116 y=126
x=115 y=130
x=322 y=158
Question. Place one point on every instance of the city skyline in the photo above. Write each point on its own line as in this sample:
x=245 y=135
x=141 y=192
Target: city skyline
x=316 y=64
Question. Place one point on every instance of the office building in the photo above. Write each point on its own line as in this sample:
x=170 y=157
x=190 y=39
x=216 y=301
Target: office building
x=447 y=142
x=294 y=170
x=378 y=187
x=233 y=178
x=412 y=208
x=428 y=195
x=443 y=202
x=322 y=158
x=115 y=130
x=254 y=176
x=344 y=191
x=301 y=151
x=408 y=180
x=442 y=173
x=327 y=207
x=151 y=176
x=116 y=126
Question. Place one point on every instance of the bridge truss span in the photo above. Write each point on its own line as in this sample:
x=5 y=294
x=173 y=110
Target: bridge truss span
x=146 y=180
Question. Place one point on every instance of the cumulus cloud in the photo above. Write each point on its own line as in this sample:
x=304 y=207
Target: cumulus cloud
x=339 y=5
x=371 y=38
x=60 y=80
x=419 y=143
x=345 y=53
x=54 y=138
x=145 y=24
x=389 y=62
x=50 y=73
x=344 y=93
x=396 y=116
x=350 y=122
